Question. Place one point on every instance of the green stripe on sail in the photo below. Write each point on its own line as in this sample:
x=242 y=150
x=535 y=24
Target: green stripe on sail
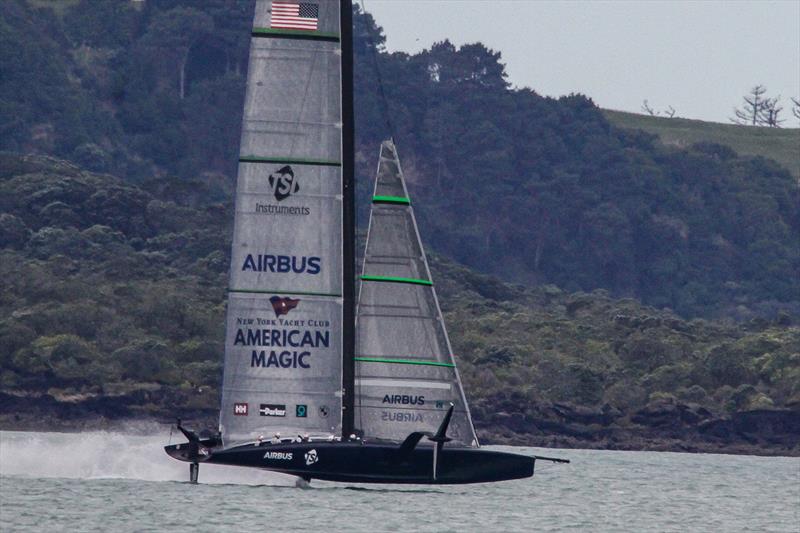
x=302 y=34
x=394 y=279
x=288 y=160
x=391 y=200
x=402 y=361
x=301 y=293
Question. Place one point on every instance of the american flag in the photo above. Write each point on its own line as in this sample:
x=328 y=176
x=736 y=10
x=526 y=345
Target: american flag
x=294 y=16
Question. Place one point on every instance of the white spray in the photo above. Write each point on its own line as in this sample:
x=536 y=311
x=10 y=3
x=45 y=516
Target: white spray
x=104 y=454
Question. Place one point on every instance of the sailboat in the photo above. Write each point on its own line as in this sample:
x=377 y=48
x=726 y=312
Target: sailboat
x=319 y=383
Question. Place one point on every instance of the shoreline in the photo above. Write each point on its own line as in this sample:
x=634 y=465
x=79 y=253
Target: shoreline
x=30 y=422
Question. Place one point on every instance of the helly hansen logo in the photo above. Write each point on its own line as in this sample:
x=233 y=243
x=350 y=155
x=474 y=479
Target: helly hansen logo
x=240 y=409
x=282 y=306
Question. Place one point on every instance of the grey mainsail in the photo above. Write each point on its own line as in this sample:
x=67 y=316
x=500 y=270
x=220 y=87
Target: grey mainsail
x=405 y=372
x=283 y=345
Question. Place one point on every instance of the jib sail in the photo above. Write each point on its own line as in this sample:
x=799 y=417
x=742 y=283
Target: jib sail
x=283 y=344
x=405 y=372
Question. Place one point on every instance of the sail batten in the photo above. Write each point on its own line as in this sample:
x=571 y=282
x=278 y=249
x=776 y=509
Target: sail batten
x=395 y=279
x=391 y=200
x=288 y=161
x=256 y=291
x=406 y=377
x=295 y=34
x=403 y=361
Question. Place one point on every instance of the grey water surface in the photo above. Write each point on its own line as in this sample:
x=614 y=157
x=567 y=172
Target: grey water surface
x=102 y=481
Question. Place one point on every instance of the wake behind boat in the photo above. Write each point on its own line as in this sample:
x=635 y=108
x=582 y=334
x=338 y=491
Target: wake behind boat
x=316 y=383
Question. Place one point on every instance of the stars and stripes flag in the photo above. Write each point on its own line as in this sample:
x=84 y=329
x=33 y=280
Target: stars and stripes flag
x=294 y=15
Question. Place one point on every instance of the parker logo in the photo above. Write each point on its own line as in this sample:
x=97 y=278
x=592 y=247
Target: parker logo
x=282 y=306
x=281 y=456
x=269 y=409
x=311 y=457
x=240 y=409
x=283 y=183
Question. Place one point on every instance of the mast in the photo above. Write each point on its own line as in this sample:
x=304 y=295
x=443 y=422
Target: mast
x=348 y=221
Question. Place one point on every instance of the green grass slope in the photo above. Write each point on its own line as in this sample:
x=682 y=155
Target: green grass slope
x=779 y=144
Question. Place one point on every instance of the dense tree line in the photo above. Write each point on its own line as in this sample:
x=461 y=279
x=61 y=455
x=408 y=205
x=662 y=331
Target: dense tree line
x=115 y=291
x=532 y=189
x=546 y=190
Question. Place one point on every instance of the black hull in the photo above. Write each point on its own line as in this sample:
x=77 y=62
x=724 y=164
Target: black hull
x=357 y=462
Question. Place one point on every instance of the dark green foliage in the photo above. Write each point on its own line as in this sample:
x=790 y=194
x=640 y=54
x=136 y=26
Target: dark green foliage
x=116 y=285
x=102 y=23
x=111 y=290
x=530 y=189
x=590 y=350
x=539 y=190
x=104 y=283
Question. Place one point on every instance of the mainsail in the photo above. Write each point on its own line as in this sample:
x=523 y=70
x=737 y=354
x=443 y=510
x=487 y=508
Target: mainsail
x=283 y=345
x=405 y=372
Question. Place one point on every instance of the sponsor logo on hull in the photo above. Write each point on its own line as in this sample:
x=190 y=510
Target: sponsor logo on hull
x=280 y=456
x=269 y=409
x=240 y=409
x=301 y=411
x=311 y=457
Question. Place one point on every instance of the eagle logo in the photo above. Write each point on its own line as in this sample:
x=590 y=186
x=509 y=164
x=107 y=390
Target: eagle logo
x=282 y=306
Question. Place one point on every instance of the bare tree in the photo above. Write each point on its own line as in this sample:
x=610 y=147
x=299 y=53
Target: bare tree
x=649 y=110
x=751 y=110
x=770 y=113
x=796 y=107
x=670 y=111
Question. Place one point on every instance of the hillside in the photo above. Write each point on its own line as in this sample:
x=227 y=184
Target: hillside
x=529 y=189
x=602 y=288
x=779 y=144
x=113 y=309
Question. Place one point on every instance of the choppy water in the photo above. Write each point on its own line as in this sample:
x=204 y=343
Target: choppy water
x=113 y=482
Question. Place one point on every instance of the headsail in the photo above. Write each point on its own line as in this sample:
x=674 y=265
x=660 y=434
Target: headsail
x=405 y=372
x=283 y=346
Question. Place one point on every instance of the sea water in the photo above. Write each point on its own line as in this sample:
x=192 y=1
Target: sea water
x=102 y=481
